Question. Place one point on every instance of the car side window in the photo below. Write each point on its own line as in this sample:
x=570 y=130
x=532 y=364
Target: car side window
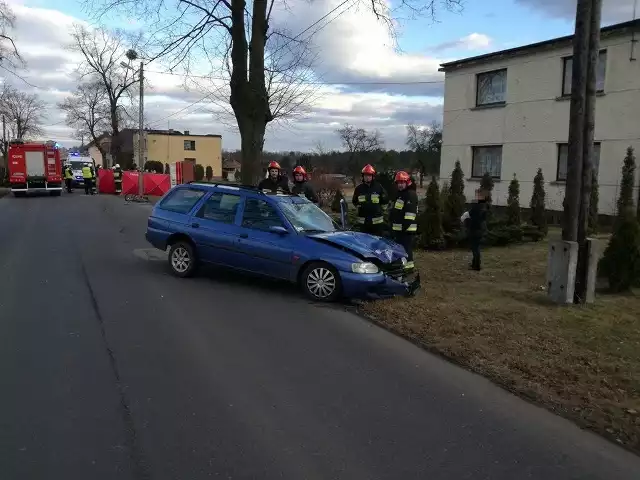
x=182 y=200
x=260 y=215
x=220 y=207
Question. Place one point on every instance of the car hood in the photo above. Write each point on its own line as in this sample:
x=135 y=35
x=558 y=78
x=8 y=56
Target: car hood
x=363 y=244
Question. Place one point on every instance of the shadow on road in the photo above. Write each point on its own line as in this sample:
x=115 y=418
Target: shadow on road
x=231 y=278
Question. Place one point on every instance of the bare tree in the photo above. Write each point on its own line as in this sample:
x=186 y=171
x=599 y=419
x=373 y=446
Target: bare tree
x=87 y=112
x=359 y=143
x=245 y=35
x=426 y=143
x=108 y=61
x=10 y=58
x=23 y=113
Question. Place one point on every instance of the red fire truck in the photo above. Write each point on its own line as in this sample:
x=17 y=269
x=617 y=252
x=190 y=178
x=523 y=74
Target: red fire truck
x=34 y=167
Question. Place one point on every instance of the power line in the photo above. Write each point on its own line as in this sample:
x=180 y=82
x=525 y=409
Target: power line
x=346 y=82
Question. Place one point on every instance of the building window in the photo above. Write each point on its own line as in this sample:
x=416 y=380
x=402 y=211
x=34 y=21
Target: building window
x=190 y=145
x=491 y=87
x=487 y=159
x=600 y=73
x=563 y=155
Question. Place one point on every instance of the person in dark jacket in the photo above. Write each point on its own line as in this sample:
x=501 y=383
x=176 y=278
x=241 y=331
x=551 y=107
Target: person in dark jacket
x=403 y=215
x=476 y=224
x=274 y=183
x=301 y=185
x=369 y=198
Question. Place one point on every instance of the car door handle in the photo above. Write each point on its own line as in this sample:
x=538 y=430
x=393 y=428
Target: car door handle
x=244 y=235
x=195 y=225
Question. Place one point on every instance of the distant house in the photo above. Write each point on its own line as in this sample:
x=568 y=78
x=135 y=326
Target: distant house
x=507 y=113
x=230 y=169
x=169 y=146
x=94 y=152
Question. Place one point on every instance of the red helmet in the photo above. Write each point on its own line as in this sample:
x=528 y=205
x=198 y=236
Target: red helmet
x=403 y=176
x=274 y=164
x=368 y=170
x=300 y=169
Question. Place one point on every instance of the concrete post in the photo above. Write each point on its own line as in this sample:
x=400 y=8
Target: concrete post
x=594 y=254
x=561 y=271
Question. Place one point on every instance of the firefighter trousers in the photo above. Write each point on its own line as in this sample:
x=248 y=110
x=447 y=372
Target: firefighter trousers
x=406 y=240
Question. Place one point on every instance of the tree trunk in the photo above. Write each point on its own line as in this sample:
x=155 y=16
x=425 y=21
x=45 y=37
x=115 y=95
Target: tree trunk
x=249 y=98
x=115 y=134
x=252 y=141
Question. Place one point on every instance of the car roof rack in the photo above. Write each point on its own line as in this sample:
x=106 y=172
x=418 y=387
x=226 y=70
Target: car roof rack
x=223 y=185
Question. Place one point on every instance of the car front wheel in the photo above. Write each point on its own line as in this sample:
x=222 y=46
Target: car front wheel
x=321 y=282
x=182 y=259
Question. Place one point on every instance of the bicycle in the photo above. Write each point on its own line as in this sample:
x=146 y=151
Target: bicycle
x=135 y=198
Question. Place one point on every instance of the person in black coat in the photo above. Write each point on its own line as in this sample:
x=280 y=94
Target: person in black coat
x=370 y=198
x=301 y=186
x=403 y=215
x=274 y=183
x=476 y=224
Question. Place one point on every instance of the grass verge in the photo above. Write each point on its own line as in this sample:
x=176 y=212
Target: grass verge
x=582 y=362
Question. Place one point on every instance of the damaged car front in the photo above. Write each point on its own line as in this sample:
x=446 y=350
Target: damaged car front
x=379 y=266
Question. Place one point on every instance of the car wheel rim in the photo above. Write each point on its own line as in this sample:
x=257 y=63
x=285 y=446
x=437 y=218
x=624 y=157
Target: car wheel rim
x=180 y=260
x=321 y=282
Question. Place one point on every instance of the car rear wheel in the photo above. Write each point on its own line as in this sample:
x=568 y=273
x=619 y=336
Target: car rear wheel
x=321 y=282
x=182 y=259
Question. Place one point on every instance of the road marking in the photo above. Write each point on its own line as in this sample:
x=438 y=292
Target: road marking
x=151 y=254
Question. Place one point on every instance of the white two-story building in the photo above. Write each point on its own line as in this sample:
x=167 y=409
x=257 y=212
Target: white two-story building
x=507 y=113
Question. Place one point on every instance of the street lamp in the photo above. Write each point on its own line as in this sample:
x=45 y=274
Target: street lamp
x=132 y=55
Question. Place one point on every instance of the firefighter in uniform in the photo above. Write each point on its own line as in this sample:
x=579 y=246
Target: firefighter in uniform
x=369 y=198
x=117 y=178
x=87 y=178
x=403 y=215
x=274 y=183
x=301 y=186
x=68 y=178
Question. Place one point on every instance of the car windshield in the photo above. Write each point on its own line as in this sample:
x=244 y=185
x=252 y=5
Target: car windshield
x=77 y=165
x=306 y=217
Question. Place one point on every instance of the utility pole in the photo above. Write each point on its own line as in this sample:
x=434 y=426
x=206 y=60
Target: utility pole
x=582 y=268
x=4 y=143
x=576 y=121
x=141 y=133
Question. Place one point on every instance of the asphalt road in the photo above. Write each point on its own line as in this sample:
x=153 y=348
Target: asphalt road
x=112 y=369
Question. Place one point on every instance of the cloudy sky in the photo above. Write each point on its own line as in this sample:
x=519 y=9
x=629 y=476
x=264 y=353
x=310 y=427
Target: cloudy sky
x=358 y=75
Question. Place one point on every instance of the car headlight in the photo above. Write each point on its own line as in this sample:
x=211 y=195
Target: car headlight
x=365 y=267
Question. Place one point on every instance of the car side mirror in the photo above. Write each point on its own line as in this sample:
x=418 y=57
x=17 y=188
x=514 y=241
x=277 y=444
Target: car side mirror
x=278 y=230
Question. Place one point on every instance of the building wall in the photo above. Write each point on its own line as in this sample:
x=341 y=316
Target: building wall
x=171 y=148
x=534 y=120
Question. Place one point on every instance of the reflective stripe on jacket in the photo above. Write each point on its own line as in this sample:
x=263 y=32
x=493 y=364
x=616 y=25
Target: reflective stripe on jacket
x=370 y=200
x=404 y=211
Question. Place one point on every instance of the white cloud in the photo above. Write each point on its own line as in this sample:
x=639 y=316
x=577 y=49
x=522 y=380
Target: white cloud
x=613 y=11
x=473 y=41
x=352 y=48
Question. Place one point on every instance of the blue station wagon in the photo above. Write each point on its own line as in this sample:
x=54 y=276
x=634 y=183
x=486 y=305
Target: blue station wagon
x=285 y=237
